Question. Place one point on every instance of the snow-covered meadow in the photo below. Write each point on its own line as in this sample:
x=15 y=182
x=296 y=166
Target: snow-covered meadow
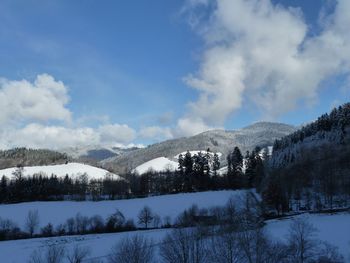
x=57 y=212
x=19 y=251
x=331 y=228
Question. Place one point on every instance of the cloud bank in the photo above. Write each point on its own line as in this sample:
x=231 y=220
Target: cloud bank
x=36 y=135
x=28 y=110
x=263 y=53
x=43 y=100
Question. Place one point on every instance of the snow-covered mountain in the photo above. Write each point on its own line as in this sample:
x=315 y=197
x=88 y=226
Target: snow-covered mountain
x=61 y=170
x=259 y=134
x=157 y=165
x=97 y=153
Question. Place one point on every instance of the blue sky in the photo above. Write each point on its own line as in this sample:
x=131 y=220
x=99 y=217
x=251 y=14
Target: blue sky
x=136 y=65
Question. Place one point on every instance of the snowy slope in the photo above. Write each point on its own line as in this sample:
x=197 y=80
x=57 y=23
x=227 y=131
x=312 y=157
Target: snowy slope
x=61 y=170
x=99 y=245
x=157 y=165
x=57 y=212
x=222 y=171
x=162 y=163
x=334 y=229
x=99 y=152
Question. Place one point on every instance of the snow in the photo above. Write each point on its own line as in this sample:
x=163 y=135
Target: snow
x=223 y=171
x=57 y=212
x=61 y=170
x=156 y=165
x=334 y=229
x=162 y=163
x=99 y=245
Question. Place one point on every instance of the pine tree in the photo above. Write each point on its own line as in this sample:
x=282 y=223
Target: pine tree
x=181 y=163
x=216 y=164
x=235 y=166
x=207 y=161
x=3 y=189
x=188 y=163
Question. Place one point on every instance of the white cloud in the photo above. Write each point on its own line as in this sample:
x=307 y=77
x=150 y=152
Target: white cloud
x=26 y=105
x=156 y=132
x=56 y=137
x=262 y=52
x=41 y=136
x=113 y=133
x=165 y=118
x=190 y=126
x=43 y=100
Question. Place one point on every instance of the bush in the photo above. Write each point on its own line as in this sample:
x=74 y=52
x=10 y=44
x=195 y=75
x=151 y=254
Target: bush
x=136 y=249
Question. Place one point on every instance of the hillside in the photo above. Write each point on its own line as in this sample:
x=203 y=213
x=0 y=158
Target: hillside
x=58 y=212
x=309 y=169
x=29 y=157
x=100 y=244
x=259 y=134
x=96 y=152
x=61 y=170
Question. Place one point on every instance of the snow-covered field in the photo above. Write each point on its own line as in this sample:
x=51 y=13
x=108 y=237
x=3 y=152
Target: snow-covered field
x=19 y=251
x=61 y=170
x=156 y=165
x=331 y=228
x=334 y=229
x=57 y=212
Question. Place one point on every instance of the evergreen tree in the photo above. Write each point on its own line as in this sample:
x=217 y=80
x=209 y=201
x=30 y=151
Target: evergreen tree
x=235 y=166
x=181 y=163
x=207 y=161
x=188 y=163
x=254 y=172
x=3 y=188
x=216 y=164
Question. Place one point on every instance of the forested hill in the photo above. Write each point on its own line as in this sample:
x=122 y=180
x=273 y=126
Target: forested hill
x=260 y=134
x=30 y=157
x=310 y=168
x=329 y=130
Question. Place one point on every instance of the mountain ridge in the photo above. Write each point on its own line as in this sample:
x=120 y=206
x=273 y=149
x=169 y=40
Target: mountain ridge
x=258 y=134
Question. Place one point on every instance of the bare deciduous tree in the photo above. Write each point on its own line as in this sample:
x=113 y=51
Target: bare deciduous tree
x=52 y=254
x=156 y=221
x=184 y=246
x=225 y=248
x=136 y=249
x=78 y=254
x=329 y=254
x=32 y=221
x=145 y=216
x=303 y=245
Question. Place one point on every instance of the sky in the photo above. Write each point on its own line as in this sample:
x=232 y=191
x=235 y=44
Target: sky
x=136 y=72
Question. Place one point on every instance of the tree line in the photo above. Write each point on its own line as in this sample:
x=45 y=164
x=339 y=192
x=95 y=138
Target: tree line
x=198 y=172
x=29 y=157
